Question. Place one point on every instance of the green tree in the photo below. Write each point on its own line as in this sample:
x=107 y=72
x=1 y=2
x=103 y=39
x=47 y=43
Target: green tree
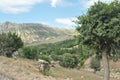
x=9 y=43
x=100 y=30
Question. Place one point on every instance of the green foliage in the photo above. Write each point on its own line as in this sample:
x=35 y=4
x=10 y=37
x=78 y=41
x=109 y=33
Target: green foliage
x=30 y=52
x=67 y=43
x=57 y=50
x=95 y=64
x=100 y=27
x=49 y=51
x=9 y=43
x=84 y=53
x=100 y=30
x=45 y=57
x=77 y=54
x=56 y=57
x=69 y=61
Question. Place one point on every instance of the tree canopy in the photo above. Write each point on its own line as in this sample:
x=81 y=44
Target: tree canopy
x=99 y=29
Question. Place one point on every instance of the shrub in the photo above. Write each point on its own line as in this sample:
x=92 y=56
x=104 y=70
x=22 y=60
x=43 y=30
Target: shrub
x=56 y=57
x=95 y=64
x=30 y=52
x=9 y=43
x=69 y=61
x=45 y=57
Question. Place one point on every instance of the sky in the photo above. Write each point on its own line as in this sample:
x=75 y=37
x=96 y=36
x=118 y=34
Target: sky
x=55 y=13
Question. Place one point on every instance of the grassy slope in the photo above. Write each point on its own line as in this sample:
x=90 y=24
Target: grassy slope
x=74 y=74
x=21 y=69
x=86 y=73
x=24 y=69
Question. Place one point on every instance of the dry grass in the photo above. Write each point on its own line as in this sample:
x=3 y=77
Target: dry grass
x=24 y=69
x=85 y=73
x=21 y=69
x=74 y=74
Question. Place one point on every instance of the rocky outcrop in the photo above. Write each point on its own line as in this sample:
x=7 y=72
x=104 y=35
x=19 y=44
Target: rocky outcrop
x=43 y=65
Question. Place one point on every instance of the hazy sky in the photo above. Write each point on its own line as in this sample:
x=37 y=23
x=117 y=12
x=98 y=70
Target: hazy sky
x=57 y=13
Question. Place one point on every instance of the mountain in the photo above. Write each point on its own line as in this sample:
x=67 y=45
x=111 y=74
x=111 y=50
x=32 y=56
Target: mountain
x=36 y=32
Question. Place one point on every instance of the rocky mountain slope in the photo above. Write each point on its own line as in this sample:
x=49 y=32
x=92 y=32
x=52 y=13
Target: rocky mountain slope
x=35 y=32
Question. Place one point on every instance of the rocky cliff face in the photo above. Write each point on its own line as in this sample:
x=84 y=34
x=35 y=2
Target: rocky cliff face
x=34 y=32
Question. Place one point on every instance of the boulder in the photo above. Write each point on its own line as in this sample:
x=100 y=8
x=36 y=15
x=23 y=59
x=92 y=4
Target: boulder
x=43 y=65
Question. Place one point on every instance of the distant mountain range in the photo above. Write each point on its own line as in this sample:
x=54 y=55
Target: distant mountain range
x=36 y=32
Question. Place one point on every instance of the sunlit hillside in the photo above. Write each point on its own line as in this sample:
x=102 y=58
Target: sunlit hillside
x=36 y=32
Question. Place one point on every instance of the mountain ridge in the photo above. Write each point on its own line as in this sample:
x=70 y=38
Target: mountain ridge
x=35 y=32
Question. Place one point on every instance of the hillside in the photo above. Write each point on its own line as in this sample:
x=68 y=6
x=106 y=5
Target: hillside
x=36 y=32
x=21 y=69
x=24 y=69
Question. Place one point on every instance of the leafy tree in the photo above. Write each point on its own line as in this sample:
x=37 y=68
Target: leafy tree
x=9 y=43
x=100 y=30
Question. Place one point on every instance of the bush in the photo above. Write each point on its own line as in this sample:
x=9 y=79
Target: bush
x=9 y=43
x=69 y=61
x=30 y=52
x=56 y=57
x=95 y=64
x=45 y=57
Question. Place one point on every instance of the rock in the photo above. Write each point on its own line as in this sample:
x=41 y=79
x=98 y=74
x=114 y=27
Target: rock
x=43 y=65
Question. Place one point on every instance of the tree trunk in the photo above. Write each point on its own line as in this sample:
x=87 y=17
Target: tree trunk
x=105 y=65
